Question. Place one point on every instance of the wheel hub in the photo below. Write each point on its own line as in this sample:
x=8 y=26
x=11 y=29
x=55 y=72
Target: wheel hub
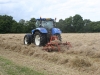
x=25 y=41
x=37 y=40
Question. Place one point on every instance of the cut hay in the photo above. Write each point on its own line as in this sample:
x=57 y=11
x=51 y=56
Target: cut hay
x=80 y=62
x=85 y=46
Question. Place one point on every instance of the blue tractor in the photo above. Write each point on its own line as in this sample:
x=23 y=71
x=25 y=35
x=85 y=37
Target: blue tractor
x=45 y=28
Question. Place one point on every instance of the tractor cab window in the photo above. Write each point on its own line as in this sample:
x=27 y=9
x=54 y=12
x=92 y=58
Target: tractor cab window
x=48 y=24
x=45 y=24
x=37 y=23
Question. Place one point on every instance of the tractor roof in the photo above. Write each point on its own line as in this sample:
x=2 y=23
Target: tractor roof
x=43 y=19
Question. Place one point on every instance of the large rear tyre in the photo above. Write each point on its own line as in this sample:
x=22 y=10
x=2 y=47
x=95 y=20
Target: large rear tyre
x=40 y=39
x=27 y=39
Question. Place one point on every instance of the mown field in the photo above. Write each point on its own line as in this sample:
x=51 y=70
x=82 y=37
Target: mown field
x=7 y=67
x=82 y=59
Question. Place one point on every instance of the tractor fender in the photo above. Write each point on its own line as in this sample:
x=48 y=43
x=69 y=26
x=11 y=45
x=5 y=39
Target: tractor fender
x=56 y=31
x=41 y=30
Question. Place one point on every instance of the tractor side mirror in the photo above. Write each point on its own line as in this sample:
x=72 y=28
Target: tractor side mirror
x=40 y=22
x=55 y=19
x=55 y=22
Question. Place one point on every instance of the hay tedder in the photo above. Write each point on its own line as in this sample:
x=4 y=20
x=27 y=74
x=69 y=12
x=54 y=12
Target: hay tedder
x=46 y=34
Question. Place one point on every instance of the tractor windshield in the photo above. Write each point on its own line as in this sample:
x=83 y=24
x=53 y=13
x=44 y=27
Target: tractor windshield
x=48 y=24
x=45 y=23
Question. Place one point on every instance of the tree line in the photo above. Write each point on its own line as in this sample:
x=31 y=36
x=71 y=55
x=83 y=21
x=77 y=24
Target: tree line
x=73 y=24
x=76 y=24
x=9 y=25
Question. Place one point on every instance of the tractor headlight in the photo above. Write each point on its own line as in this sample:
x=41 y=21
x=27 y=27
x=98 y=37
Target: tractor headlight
x=58 y=29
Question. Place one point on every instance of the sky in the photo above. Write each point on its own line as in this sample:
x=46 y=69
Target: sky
x=60 y=9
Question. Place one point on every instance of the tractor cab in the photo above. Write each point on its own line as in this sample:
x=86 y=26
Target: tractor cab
x=47 y=23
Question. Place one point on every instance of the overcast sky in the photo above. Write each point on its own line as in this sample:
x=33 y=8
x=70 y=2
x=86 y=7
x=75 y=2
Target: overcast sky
x=61 y=9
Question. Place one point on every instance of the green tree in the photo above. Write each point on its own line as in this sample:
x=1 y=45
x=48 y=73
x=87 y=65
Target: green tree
x=21 y=26
x=22 y=21
x=78 y=23
x=14 y=27
x=69 y=24
x=86 y=27
x=31 y=24
x=61 y=25
x=95 y=26
x=5 y=23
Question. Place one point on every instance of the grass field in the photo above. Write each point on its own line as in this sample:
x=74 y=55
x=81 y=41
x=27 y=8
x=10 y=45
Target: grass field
x=82 y=59
x=7 y=67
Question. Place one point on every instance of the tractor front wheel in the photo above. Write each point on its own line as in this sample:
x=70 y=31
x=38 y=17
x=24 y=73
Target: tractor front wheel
x=27 y=39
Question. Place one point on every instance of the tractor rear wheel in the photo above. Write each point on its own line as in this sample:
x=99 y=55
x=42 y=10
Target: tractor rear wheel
x=40 y=39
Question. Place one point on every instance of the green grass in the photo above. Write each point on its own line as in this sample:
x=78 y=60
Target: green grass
x=7 y=67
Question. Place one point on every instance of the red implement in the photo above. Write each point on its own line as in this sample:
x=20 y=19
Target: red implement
x=54 y=44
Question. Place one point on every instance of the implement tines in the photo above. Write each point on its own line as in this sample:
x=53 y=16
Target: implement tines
x=55 y=44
